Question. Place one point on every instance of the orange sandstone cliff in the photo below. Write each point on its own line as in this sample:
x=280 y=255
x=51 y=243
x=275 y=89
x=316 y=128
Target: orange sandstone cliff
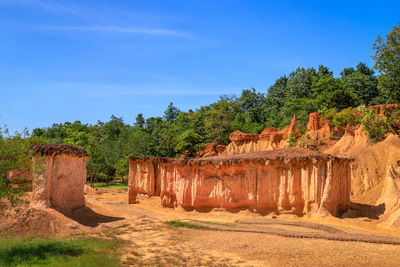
x=291 y=180
x=211 y=149
x=318 y=129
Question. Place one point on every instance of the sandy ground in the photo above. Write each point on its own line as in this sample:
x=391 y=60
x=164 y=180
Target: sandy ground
x=151 y=241
x=237 y=239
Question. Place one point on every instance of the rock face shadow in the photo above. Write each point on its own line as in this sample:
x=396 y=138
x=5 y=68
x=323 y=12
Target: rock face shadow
x=358 y=210
x=86 y=216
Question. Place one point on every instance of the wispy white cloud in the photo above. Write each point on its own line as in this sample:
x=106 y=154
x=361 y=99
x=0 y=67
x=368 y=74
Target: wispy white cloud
x=48 y=5
x=89 y=19
x=116 y=29
x=153 y=90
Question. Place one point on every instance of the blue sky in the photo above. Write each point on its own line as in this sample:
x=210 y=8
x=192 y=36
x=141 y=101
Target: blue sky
x=86 y=60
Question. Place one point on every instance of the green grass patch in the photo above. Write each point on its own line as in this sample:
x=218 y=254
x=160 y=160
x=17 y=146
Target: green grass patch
x=119 y=185
x=186 y=225
x=58 y=252
x=215 y=223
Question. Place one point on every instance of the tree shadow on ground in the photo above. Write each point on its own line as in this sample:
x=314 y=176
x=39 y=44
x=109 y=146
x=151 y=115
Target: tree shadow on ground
x=86 y=216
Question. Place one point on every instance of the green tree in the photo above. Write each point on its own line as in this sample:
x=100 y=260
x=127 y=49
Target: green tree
x=387 y=62
x=171 y=112
x=365 y=87
x=275 y=100
x=364 y=69
x=188 y=142
x=218 y=119
x=252 y=104
x=300 y=81
x=15 y=153
x=76 y=134
x=166 y=134
x=139 y=124
x=329 y=92
x=346 y=72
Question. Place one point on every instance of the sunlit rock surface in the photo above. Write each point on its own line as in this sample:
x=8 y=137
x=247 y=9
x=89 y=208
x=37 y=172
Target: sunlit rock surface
x=291 y=180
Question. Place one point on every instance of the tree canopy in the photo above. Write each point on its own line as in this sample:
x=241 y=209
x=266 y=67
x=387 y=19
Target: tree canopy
x=387 y=62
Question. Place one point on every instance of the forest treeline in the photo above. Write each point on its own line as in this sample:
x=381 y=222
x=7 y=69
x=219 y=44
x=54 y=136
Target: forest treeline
x=177 y=132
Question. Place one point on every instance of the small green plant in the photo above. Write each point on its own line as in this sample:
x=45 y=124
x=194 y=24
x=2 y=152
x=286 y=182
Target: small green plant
x=186 y=225
x=305 y=141
x=292 y=140
x=294 y=137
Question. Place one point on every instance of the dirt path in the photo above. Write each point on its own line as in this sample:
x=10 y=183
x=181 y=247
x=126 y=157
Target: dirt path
x=316 y=230
x=328 y=233
x=236 y=239
x=150 y=241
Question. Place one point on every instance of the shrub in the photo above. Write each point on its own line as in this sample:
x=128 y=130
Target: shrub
x=294 y=137
x=15 y=153
x=292 y=140
x=306 y=141
x=329 y=114
x=393 y=119
x=375 y=126
x=348 y=117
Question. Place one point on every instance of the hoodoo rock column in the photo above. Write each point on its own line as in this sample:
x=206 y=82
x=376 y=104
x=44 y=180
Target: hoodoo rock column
x=291 y=180
x=60 y=176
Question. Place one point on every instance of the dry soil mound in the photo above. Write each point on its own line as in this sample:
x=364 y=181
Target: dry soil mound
x=375 y=178
x=39 y=222
x=352 y=143
x=390 y=196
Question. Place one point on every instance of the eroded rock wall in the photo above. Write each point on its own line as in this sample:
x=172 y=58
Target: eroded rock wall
x=269 y=139
x=318 y=130
x=298 y=186
x=211 y=149
x=142 y=178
